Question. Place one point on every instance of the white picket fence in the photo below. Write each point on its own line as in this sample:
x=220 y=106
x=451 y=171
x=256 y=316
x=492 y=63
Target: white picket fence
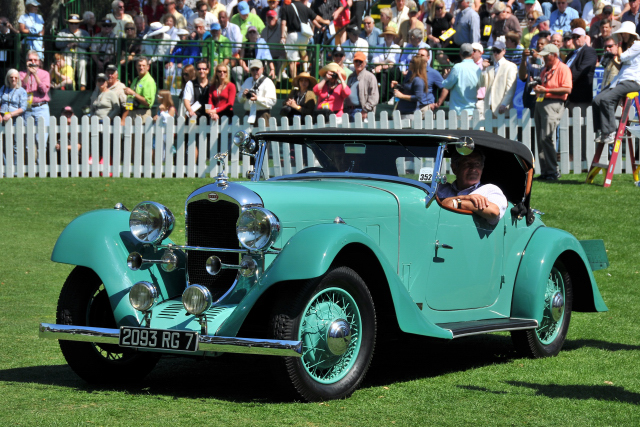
x=132 y=153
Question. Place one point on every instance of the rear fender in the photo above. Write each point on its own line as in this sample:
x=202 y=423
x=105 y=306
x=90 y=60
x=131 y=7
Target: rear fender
x=309 y=254
x=547 y=245
x=101 y=240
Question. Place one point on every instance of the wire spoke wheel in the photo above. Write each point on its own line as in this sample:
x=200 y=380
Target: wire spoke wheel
x=548 y=339
x=334 y=318
x=326 y=308
x=554 y=306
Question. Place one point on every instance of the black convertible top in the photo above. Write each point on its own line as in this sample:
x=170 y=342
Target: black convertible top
x=427 y=137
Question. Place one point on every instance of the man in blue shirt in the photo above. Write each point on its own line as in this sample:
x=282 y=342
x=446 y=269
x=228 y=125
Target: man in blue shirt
x=434 y=80
x=560 y=19
x=467 y=24
x=462 y=82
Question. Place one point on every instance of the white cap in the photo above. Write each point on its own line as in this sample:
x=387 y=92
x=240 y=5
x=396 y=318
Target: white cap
x=500 y=43
x=579 y=31
x=478 y=47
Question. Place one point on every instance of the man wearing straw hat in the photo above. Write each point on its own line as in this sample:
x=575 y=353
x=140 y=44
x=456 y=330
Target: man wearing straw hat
x=157 y=48
x=75 y=42
x=604 y=105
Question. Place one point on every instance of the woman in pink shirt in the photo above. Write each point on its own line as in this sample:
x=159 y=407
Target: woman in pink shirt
x=331 y=91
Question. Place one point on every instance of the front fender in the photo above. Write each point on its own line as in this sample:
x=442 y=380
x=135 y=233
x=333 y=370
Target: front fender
x=547 y=245
x=101 y=240
x=309 y=254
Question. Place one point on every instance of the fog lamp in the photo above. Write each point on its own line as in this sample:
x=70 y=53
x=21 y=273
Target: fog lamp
x=143 y=296
x=196 y=299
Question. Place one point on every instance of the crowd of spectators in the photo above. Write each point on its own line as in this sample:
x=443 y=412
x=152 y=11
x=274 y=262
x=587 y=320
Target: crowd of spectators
x=416 y=56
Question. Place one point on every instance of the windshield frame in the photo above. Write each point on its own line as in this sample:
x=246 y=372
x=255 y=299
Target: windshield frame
x=429 y=188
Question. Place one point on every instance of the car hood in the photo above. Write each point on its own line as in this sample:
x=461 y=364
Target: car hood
x=321 y=201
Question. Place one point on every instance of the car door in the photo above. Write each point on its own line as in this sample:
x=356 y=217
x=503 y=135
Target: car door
x=466 y=269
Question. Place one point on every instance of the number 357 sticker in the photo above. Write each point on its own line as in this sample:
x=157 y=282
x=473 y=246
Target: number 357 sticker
x=426 y=175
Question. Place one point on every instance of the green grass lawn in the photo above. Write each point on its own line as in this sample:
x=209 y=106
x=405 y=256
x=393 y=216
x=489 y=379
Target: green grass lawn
x=470 y=381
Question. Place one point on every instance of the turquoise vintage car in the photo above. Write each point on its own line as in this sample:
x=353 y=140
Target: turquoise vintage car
x=318 y=264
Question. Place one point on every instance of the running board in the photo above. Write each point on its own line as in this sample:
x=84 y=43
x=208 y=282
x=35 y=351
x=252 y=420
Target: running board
x=475 y=327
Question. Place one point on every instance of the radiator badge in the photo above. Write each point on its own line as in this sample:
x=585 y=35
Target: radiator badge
x=213 y=197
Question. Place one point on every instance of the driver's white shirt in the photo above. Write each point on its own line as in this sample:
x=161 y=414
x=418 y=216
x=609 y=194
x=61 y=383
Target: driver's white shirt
x=490 y=191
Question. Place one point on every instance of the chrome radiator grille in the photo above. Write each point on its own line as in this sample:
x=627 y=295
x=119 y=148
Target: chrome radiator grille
x=212 y=224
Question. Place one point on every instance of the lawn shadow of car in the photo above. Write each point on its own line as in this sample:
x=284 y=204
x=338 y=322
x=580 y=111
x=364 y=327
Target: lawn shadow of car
x=569 y=391
x=245 y=378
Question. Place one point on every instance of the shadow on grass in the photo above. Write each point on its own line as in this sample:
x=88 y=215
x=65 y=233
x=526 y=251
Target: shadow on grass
x=583 y=392
x=573 y=391
x=244 y=378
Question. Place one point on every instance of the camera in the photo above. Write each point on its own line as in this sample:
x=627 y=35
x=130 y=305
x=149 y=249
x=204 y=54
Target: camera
x=606 y=59
x=31 y=65
x=251 y=93
x=533 y=83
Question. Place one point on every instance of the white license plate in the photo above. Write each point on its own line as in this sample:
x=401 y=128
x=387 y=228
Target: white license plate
x=164 y=339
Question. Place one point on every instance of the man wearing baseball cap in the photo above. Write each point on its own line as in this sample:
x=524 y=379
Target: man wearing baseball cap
x=258 y=93
x=245 y=19
x=551 y=94
x=542 y=23
x=582 y=63
x=499 y=80
x=364 y=89
x=462 y=82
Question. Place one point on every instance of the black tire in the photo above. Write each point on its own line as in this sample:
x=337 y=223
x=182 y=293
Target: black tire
x=305 y=313
x=547 y=340
x=84 y=302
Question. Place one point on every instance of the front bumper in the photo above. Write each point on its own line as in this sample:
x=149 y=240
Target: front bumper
x=207 y=342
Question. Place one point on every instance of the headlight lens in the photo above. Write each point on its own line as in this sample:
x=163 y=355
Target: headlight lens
x=143 y=296
x=196 y=299
x=151 y=222
x=257 y=229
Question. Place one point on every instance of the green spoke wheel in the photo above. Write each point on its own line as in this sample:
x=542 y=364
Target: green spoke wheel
x=84 y=302
x=334 y=318
x=548 y=338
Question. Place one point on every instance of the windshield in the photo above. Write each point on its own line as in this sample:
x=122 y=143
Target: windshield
x=390 y=158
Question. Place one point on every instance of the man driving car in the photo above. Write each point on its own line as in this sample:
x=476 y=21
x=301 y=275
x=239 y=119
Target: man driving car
x=468 y=193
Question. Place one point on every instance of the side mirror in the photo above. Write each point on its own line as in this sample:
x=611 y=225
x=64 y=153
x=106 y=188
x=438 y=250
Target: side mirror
x=246 y=144
x=465 y=147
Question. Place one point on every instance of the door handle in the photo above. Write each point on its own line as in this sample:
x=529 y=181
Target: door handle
x=442 y=245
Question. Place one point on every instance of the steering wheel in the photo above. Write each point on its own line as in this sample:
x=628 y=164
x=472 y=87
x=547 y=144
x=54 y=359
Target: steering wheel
x=313 y=169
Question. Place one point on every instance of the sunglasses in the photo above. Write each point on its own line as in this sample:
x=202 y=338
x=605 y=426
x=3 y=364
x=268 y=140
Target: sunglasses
x=338 y=54
x=221 y=71
x=576 y=36
x=607 y=46
x=357 y=61
x=202 y=69
x=531 y=19
x=129 y=29
x=439 y=7
x=496 y=50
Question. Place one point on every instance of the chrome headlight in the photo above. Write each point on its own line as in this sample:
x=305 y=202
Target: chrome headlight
x=257 y=229
x=143 y=296
x=151 y=222
x=196 y=299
